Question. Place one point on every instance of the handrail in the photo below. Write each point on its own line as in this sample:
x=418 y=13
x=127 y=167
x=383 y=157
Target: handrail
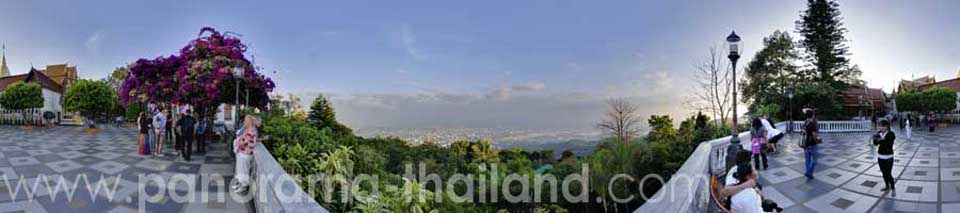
x=838 y=126
x=274 y=190
x=688 y=189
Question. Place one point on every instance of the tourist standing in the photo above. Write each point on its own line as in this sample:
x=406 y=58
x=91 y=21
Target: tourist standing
x=245 y=144
x=187 y=126
x=171 y=118
x=909 y=129
x=758 y=144
x=901 y=121
x=174 y=123
x=773 y=134
x=201 y=138
x=143 y=122
x=811 y=138
x=159 y=126
x=152 y=134
x=932 y=122
x=884 y=139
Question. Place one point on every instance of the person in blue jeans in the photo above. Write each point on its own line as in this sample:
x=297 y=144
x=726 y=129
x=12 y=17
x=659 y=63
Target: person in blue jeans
x=811 y=138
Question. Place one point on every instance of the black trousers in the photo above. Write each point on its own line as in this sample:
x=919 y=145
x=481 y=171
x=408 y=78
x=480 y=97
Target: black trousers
x=201 y=143
x=757 y=158
x=187 y=145
x=886 y=167
x=775 y=139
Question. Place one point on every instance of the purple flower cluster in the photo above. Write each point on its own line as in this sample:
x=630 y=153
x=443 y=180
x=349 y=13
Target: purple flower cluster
x=195 y=75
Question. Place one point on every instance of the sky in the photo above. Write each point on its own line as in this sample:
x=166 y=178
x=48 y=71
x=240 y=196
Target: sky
x=511 y=64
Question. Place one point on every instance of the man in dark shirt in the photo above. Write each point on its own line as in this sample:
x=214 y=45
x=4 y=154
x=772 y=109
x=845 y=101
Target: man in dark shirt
x=810 y=140
x=884 y=139
x=187 y=127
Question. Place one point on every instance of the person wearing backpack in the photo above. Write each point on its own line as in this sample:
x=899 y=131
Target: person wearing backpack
x=187 y=126
x=758 y=144
x=811 y=137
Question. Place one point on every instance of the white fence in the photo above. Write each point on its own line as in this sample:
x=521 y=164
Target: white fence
x=21 y=117
x=274 y=190
x=689 y=191
x=837 y=126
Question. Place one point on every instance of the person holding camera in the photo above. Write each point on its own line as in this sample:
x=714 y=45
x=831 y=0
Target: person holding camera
x=884 y=139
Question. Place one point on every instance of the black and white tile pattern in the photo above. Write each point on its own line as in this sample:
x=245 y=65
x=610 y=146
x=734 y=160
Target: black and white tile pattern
x=848 y=179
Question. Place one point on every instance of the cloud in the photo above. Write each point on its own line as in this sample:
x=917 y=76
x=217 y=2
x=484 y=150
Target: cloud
x=532 y=86
x=648 y=84
x=523 y=106
x=93 y=42
x=504 y=92
x=409 y=41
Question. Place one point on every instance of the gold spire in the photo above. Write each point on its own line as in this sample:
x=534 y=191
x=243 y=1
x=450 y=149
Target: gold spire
x=4 y=71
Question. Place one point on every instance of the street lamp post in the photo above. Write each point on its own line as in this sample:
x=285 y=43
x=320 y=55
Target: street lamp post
x=790 y=113
x=237 y=73
x=733 y=41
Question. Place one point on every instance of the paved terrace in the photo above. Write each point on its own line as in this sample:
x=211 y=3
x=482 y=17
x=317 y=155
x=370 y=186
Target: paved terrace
x=69 y=152
x=847 y=178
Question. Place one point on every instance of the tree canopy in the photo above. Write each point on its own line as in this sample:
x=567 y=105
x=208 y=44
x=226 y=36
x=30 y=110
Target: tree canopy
x=322 y=115
x=771 y=72
x=822 y=37
x=90 y=98
x=200 y=75
x=22 y=95
x=937 y=99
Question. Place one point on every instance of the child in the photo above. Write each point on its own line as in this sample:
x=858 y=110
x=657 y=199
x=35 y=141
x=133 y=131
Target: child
x=758 y=144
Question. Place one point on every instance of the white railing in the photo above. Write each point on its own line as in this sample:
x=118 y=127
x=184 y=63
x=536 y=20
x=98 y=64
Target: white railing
x=274 y=190
x=21 y=117
x=837 y=126
x=688 y=190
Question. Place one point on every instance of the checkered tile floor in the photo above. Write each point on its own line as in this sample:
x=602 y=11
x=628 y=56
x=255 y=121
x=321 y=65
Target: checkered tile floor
x=847 y=178
x=46 y=155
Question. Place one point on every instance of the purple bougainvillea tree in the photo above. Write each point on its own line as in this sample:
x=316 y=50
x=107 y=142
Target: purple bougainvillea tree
x=201 y=75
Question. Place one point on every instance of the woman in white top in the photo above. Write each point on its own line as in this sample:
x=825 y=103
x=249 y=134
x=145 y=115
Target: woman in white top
x=748 y=200
x=773 y=134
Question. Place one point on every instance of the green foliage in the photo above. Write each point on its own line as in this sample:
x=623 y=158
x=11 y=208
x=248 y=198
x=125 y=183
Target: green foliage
x=822 y=36
x=323 y=116
x=821 y=96
x=661 y=128
x=116 y=78
x=301 y=148
x=22 y=95
x=132 y=112
x=771 y=72
x=769 y=109
x=90 y=98
x=909 y=100
x=936 y=99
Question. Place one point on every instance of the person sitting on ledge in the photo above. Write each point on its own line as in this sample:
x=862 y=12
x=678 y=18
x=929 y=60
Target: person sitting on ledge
x=731 y=185
x=751 y=200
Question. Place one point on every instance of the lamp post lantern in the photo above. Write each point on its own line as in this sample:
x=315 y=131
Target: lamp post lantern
x=237 y=73
x=733 y=41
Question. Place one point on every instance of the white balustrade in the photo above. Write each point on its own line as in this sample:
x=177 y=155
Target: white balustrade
x=691 y=192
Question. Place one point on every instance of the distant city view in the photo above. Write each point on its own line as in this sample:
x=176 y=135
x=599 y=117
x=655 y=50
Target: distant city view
x=480 y=106
x=580 y=141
